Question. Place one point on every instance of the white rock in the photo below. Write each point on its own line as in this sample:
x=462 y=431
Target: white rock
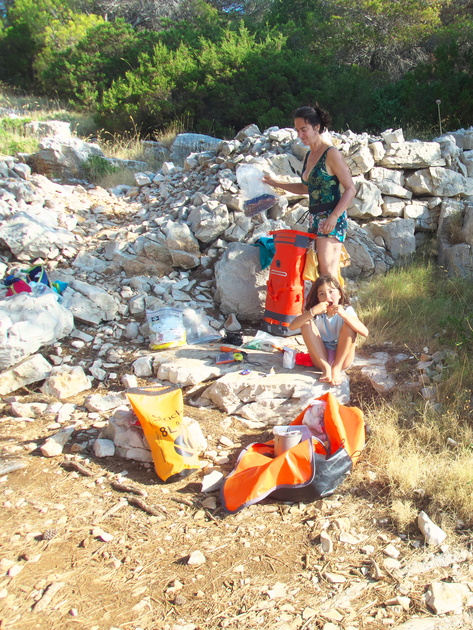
x=210 y=503
x=444 y=597
x=54 y=445
x=66 y=381
x=31 y=370
x=101 y=404
x=15 y=570
x=433 y=534
x=391 y=564
x=138 y=454
x=196 y=558
x=143 y=366
x=232 y=324
x=129 y=380
x=104 y=448
x=99 y=533
x=326 y=542
x=226 y=441
x=391 y=551
x=279 y=591
x=213 y=481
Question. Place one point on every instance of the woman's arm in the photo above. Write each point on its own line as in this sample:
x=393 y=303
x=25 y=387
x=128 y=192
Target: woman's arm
x=297 y=189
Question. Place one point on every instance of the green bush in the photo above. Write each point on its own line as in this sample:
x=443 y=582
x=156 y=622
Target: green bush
x=96 y=168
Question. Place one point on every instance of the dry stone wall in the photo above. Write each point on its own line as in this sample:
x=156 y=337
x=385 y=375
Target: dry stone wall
x=180 y=236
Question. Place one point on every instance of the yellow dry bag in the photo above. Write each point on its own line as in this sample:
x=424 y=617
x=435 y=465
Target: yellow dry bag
x=160 y=410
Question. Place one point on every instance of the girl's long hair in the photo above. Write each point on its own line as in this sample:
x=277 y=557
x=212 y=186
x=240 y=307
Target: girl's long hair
x=312 y=298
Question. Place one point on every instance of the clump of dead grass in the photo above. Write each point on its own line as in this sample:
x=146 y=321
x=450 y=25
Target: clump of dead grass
x=421 y=457
x=421 y=451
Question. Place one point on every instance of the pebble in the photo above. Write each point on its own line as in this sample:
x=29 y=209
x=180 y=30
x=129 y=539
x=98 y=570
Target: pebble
x=391 y=552
x=97 y=532
x=433 y=534
x=335 y=578
x=326 y=543
x=15 y=570
x=196 y=558
x=391 y=564
x=213 y=481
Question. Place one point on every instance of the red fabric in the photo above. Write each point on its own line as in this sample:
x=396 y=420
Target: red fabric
x=303 y=358
x=19 y=286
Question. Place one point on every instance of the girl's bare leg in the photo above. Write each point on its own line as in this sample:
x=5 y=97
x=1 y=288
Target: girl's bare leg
x=317 y=350
x=344 y=353
x=329 y=250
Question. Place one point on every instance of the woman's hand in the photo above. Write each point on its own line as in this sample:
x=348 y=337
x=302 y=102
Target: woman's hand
x=328 y=225
x=271 y=182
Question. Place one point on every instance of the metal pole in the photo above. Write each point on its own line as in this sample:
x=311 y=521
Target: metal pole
x=438 y=101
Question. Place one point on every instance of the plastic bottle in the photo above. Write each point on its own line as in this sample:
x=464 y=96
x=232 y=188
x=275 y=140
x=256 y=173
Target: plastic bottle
x=38 y=288
x=289 y=357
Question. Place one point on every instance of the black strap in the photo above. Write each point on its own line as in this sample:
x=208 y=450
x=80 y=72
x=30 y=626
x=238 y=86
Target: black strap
x=323 y=207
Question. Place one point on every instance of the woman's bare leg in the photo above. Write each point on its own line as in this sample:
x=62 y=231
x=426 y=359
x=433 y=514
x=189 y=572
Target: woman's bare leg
x=329 y=250
x=344 y=353
x=317 y=350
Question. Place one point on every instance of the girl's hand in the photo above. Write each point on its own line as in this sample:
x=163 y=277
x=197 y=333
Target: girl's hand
x=336 y=309
x=319 y=309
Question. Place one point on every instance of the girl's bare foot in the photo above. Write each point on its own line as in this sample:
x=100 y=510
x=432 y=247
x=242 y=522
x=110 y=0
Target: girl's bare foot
x=336 y=377
x=326 y=377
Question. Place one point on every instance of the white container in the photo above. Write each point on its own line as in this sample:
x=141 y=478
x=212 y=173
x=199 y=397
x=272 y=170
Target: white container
x=289 y=357
x=285 y=437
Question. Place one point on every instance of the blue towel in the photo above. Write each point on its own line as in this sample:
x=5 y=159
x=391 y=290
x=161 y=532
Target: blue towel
x=267 y=250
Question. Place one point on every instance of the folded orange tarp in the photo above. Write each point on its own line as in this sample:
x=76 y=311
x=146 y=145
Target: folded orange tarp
x=307 y=471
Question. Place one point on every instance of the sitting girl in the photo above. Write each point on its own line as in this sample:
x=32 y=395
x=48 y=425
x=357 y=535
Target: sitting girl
x=329 y=328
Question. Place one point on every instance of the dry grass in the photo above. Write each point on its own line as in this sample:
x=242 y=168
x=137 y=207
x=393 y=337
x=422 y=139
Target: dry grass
x=422 y=453
x=25 y=108
x=169 y=134
x=423 y=459
x=43 y=108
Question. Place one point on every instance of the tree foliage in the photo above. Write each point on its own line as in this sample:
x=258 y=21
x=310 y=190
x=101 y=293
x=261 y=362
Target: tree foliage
x=222 y=64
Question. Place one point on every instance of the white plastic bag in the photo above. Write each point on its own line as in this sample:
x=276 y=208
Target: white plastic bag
x=264 y=341
x=166 y=328
x=259 y=196
x=198 y=329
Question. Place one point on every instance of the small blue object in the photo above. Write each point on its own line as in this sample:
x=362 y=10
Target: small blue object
x=244 y=372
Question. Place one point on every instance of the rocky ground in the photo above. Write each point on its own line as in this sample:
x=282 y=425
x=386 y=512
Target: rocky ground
x=99 y=543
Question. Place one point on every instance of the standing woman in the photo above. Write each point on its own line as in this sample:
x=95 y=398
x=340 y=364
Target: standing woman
x=323 y=173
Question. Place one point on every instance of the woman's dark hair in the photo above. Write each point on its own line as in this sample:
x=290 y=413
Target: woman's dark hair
x=313 y=299
x=314 y=116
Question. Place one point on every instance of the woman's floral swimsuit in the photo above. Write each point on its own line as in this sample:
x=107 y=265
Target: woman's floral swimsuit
x=324 y=188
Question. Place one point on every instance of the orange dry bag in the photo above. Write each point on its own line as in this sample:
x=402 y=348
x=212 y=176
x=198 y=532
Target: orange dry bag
x=307 y=471
x=160 y=412
x=285 y=296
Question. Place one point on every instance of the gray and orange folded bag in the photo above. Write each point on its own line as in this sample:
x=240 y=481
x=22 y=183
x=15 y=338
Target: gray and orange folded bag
x=307 y=471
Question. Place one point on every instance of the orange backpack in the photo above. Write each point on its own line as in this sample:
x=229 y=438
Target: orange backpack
x=305 y=472
x=285 y=296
